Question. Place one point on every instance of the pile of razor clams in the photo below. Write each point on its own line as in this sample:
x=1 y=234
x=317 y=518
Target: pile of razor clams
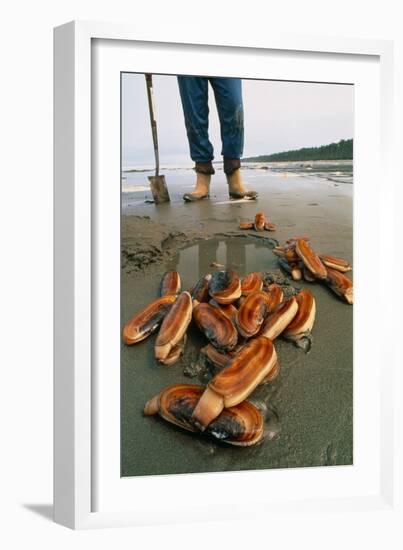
x=240 y=319
x=297 y=258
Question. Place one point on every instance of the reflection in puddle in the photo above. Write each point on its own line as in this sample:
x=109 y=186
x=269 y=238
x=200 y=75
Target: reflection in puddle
x=240 y=254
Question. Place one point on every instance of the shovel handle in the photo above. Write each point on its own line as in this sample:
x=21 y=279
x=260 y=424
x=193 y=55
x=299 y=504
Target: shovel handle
x=151 y=107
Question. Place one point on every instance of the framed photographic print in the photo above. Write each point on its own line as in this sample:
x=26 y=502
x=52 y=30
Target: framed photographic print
x=212 y=205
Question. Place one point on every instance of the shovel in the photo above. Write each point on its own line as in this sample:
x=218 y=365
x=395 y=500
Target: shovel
x=157 y=183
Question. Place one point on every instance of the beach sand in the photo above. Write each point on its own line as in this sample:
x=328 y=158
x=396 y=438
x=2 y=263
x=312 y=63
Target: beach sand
x=310 y=404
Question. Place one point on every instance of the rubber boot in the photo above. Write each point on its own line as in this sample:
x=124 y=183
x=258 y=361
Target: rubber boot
x=201 y=190
x=236 y=187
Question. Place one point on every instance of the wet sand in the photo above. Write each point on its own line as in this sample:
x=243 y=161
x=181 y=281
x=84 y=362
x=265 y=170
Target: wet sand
x=309 y=405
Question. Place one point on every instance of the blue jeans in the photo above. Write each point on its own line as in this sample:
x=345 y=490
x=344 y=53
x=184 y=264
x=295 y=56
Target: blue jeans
x=228 y=96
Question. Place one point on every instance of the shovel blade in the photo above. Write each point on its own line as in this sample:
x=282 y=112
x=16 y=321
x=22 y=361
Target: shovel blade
x=159 y=189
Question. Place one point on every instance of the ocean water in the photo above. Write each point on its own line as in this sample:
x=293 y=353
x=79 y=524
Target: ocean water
x=180 y=179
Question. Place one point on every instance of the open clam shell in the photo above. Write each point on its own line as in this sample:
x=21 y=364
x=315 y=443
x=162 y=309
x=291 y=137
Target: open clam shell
x=236 y=382
x=335 y=263
x=147 y=320
x=252 y=313
x=340 y=284
x=251 y=283
x=279 y=320
x=170 y=284
x=240 y=425
x=216 y=326
x=303 y=320
x=200 y=292
x=310 y=259
x=174 y=326
x=225 y=287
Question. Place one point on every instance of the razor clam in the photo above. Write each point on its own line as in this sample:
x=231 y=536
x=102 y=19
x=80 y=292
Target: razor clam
x=170 y=284
x=299 y=330
x=225 y=287
x=278 y=321
x=147 y=320
x=173 y=327
x=229 y=310
x=335 y=263
x=251 y=283
x=340 y=284
x=236 y=382
x=216 y=326
x=310 y=259
x=239 y=425
x=175 y=353
x=246 y=225
x=308 y=275
x=269 y=226
x=200 y=292
x=252 y=313
x=276 y=295
x=260 y=220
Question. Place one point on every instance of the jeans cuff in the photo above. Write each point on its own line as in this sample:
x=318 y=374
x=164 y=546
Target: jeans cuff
x=231 y=165
x=205 y=168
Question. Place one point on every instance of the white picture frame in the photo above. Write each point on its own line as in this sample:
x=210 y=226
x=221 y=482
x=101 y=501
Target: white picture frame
x=88 y=491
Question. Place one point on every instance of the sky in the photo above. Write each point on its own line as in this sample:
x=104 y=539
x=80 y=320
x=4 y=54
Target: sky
x=278 y=116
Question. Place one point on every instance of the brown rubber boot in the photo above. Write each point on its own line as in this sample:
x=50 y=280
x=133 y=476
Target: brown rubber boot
x=236 y=187
x=201 y=190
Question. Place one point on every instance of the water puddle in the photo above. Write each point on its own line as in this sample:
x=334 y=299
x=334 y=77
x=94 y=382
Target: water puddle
x=241 y=254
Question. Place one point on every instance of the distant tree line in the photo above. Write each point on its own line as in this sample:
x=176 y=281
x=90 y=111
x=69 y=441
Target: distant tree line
x=334 y=151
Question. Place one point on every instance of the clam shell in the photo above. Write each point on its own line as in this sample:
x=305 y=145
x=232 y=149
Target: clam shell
x=296 y=272
x=175 y=353
x=218 y=359
x=252 y=313
x=174 y=326
x=340 y=284
x=278 y=321
x=310 y=259
x=147 y=320
x=236 y=382
x=293 y=240
x=269 y=226
x=251 y=283
x=308 y=275
x=260 y=220
x=335 y=263
x=240 y=425
x=225 y=287
x=276 y=295
x=200 y=292
x=291 y=256
x=285 y=265
x=272 y=374
x=279 y=251
x=246 y=225
x=302 y=322
x=216 y=326
x=229 y=310
x=170 y=284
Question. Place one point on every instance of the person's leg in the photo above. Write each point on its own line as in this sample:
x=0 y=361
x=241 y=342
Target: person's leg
x=228 y=96
x=194 y=96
